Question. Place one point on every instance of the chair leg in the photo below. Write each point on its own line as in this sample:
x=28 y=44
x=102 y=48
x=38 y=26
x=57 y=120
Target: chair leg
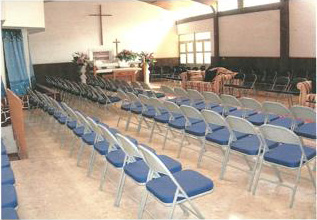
x=120 y=189
x=128 y=121
x=143 y=203
x=201 y=154
x=103 y=177
x=165 y=138
x=253 y=173
x=72 y=147
x=258 y=176
x=311 y=176
x=80 y=152
x=140 y=124
x=91 y=162
x=295 y=187
x=152 y=131
x=181 y=146
x=224 y=163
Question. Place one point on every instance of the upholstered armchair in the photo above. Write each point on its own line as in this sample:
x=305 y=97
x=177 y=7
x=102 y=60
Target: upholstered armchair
x=195 y=80
x=306 y=97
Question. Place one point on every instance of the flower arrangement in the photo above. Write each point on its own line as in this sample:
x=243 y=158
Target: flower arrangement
x=147 y=57
x=80 y=59
x=127 y=55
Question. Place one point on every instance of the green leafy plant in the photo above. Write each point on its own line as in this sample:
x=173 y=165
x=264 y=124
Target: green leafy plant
x=127 y=55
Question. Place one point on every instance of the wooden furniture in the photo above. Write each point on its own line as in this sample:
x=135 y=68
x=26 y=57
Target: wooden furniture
x=17 y=120
x=127 y=74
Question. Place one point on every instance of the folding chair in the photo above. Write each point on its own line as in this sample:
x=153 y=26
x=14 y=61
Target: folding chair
x=197 y=100
x=176 y=121
x=173 y=189
x=308 y=115
x=258 y=118
x=182 y=96
x=169 y=92
x=195 y=126
x=136 y=108
x=125 y=105
x=286 y=118
x=135 y=167
x=290 y=154
x=214 y=103
x=231 y=101
x=148 y=112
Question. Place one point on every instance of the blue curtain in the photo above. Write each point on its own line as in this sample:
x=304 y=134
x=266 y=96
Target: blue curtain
x=3 y=90
x=15 y=61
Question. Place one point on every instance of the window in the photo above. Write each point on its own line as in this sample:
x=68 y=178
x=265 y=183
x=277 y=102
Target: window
x=226 y=5
x=250 y=3
x=195 y=48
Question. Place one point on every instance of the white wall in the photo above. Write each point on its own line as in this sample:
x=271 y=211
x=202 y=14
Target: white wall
x=23 y=14
x=196 y=26
x=137 y=25
x=250 y=35
x=302 y=28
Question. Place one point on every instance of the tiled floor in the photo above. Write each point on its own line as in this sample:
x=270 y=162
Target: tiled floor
x=51 y=186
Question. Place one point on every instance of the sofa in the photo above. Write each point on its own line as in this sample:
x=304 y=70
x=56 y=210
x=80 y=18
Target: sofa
x=195 y=80
x=307 y=95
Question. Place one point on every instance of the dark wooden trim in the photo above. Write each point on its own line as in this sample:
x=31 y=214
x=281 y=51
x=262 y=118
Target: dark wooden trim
x=240 y=3
x=284 y=34
x=261 y=8
x=216 y=58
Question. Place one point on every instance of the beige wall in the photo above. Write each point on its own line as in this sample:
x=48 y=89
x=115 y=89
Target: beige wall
x=250 y=35
x=138 y=25
x=23 y=14
x=302 y=28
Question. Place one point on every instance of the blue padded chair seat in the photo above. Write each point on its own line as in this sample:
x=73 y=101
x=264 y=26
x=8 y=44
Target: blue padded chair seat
x=139 y=169
x=288 y=155
x=71 y=124
x=57 y=115
x=89 y=138
x=150 y=113
x=221 y=136
x=7 y=176
x=241 y=112
x=219 y=109
x=178 y=123
x=198 y=129
x=162 y=118
x=136 y=109
x=62 y=119
x=191 y=181
x=8 y=196
x=159 y=95
x=113 y=131
x=285 y=122
x=199 y=105
x=79 y=131
x=102 y=147
x=9 y=213
x=259 y=118
x=250 y=145
x=307 y=130
x=133 y=140
x=183 y=102
x=97 y=120
x=126 y=107
x=114 y=99
x=211 y=105
x=5 y=162
x=116 y=158
x=3 y=149
x=51 y=111
x=172 y=100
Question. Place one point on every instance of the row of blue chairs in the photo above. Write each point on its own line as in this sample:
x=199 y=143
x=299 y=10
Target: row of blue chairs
x=161 y=175
x=9 y=200
x=219 y=128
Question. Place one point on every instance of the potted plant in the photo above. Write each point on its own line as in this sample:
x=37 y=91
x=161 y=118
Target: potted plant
x=82 y=61
x=146 y=59
x=125 y=56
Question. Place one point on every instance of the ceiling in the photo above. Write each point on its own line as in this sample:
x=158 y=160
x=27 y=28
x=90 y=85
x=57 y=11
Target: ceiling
x=173 y=5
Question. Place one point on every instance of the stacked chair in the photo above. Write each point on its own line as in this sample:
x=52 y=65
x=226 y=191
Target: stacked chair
x=9 y=200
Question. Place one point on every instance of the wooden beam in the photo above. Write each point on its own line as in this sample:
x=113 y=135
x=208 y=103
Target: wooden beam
x=240 y=3
x=269 y=7
x=284 y=35
x=216 y=36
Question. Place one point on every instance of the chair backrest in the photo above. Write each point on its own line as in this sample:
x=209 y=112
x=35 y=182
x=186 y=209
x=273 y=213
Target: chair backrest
x=84 y=122
x=172 y=107
x=194 y=95
x=180 y=92
x=133 y=98
x=95 y=128
x=250 y=103
x=122 y=95
x=167 y=90
x=275 y=108
x=304 y=113
x=211 y=97
x=281 y=135
x=212 y=117
x=281 y=83
x=229 y=100
x=157 y=104
x=108 y=136
x=241 y=125
x=136 y=85
x=145 y=86
x=70 y=111
x=130 y=149
x=191 y=113
x=145 y=101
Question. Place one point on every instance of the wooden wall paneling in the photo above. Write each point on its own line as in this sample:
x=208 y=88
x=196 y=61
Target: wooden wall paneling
x=17 y=120
x=284 y=35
